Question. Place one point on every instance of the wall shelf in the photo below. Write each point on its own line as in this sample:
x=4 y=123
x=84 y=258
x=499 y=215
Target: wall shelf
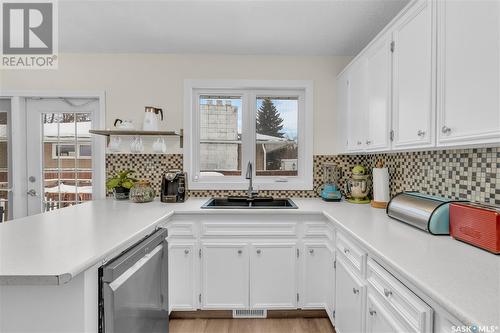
x=121 y=132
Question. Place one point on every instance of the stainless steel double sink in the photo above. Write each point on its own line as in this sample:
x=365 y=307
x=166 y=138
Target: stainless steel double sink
x=249 y=203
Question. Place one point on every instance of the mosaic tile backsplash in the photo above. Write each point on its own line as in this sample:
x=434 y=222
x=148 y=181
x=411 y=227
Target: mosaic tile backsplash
x=459 y=174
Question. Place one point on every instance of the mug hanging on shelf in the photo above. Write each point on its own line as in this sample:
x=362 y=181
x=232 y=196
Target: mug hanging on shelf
x=159 y=146
x=136 y=146
x=114 y=143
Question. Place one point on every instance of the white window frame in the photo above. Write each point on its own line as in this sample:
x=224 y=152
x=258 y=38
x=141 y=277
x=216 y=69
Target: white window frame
x=249 y=90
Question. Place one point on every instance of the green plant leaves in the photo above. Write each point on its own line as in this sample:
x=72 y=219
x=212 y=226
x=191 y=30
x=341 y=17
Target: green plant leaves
x=128 y=184
x=121 y=179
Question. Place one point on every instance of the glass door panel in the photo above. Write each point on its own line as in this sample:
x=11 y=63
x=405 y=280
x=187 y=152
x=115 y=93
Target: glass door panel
x=5 y=156
x=67 y=159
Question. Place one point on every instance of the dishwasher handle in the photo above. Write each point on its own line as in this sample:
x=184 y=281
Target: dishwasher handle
x=116 y=267
x=122 y=279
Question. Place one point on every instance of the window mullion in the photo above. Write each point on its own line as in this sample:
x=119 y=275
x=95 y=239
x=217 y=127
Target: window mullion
x=248 y=134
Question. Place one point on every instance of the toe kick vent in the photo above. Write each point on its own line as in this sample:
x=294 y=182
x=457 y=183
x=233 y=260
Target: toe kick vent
x=249 y=313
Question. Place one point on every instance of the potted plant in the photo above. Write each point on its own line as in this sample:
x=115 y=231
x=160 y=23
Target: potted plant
x=121 y=184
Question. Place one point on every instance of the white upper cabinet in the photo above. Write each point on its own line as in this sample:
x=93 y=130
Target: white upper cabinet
x=468 y=72
x=413 y=76
x=356 y=116
x=442 y=78
x=341 y=113
x=378 y=94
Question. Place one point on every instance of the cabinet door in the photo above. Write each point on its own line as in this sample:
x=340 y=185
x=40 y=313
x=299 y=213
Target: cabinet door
x=468 y=72
x=378 y=91
x=379 y=319
x=273 y=275
x=317 y=275
x=356 y=117
x=413 y=78
x=182 y=276
x=349 y=301
x=342 y=96
x=224 y=276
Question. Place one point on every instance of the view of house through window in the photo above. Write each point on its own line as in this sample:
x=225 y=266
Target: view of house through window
x=67 y=163
x=276 y=150
x=220 y=135
x=223 y=123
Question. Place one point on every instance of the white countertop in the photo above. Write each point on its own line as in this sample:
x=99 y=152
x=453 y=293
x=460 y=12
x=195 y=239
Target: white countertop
x=52 y=248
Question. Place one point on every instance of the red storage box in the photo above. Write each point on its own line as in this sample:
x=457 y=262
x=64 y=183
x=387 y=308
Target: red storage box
x=476 y=224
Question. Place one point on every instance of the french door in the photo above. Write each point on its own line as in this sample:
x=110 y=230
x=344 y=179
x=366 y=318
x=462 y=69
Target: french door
x=61 y=153
x=5 y=160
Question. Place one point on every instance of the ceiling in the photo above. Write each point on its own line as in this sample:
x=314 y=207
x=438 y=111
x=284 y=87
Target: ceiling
x=328 y=27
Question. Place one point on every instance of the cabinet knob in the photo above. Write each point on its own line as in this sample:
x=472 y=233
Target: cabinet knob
x=387 y=292
x=346 y=251
x=240 y=251
x=311 y=251
x=355 y=291
x=359 y=143
x=372 y=312
x=186 y=251
x=446 y=130
x=421 y=133
x=368 y=142
x=259 y=251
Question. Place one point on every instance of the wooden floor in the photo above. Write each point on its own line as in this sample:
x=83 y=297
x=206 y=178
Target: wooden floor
x=270 y=325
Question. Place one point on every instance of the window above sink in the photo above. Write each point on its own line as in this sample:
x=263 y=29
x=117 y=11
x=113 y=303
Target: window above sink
x=230 y=123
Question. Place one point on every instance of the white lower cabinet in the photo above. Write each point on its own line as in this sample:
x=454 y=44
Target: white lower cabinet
x=273 y=275
x=269 y=269
x=379 y=319
x=416 y=315
x=350 y=293
x=182 y=273
x=224 y=276
x=318 y=276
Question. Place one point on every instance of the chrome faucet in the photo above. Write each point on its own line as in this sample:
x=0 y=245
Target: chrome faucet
x=250 y=192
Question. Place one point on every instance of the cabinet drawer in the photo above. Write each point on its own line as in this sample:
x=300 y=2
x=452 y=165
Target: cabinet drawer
x=415 y=312
x=248 y=229
x=353 y=253
x=181 y=229
x=318 y=229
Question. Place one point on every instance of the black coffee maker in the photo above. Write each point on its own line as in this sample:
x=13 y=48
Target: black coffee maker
x=174 y=186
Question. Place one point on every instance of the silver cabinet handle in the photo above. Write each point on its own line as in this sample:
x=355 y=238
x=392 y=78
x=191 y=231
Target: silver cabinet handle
x=311 y=251
x=186 y=251
x=346 y=251
x=32 y=193
x=387 y=292
x=259 y=251
x=355 y=291
x=240 y=251
x=368 y=142
x=445 y=130
x=421 y=133
x=372 y=312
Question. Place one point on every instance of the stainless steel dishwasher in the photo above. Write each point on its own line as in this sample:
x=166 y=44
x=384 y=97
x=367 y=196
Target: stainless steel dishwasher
x=133 y=288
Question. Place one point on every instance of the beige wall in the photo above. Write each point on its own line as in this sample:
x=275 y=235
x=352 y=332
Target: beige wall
x=132 y=81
